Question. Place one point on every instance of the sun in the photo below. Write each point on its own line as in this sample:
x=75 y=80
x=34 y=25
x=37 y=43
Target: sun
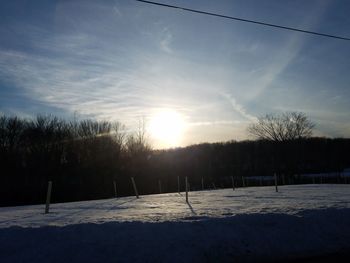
x=167 y=128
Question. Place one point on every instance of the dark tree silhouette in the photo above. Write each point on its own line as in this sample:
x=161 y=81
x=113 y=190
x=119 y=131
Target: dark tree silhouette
x=282 y=127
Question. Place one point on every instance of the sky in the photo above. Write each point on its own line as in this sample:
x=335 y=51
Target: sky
x=128 y=61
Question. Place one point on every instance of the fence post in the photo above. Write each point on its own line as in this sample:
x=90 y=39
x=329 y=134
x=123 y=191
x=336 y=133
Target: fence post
x=48 y=197
x=134 y=185
x=160 y=186
x=214 y=186
x=115 y=189
x=178 y=184
x=276 y=185
x=233 y=183
x=202 y=183
x=186 y=186
x=243 y=182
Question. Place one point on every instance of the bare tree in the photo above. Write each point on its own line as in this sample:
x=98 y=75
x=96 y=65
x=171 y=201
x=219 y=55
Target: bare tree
x=282 y=127
x=137 y=151
x=90 y=129
x=118 y=134
x=137 y=142
x=11 y=132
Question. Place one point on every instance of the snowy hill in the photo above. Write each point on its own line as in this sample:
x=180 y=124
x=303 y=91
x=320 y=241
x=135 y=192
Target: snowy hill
x=247 y=224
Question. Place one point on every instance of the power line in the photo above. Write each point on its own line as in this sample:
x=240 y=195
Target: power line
x=244 y=20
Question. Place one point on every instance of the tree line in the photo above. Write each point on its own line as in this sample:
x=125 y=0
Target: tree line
x=84 y=157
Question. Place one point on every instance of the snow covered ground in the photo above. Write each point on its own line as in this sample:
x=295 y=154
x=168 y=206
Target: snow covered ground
x=247 y=224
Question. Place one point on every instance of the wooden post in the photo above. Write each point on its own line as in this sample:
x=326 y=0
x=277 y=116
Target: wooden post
x=202 y=183
x=115 y=189
x=233 y=183
x=214 y=186
x=48 y=197
x=178 y=184
x=160 y=186
x=243 y=182
x=186 y=186
x=276 y=186
x=135 y=189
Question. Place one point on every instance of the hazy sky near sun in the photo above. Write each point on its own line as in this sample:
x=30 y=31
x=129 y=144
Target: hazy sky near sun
x=125 y=60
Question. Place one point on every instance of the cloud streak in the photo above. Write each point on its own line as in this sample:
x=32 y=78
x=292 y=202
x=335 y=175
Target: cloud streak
x=238 y=108
x=166 y=41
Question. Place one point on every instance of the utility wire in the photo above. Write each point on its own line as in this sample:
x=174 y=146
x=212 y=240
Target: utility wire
x=244 y=20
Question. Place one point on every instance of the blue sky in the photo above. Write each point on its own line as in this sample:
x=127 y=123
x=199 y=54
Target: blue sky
x=123 y=60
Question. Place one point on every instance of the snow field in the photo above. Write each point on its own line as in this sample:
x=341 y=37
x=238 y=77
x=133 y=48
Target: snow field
x=247 y=224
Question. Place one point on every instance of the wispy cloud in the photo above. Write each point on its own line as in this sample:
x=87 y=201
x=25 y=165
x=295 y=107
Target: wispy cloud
x=210 y=123
x=238 y=108
x=284 y=56
x=165 y=42
x=117 y=11
x=94 y=90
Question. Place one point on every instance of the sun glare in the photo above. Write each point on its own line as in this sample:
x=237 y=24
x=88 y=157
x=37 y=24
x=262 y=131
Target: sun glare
x=167 y=127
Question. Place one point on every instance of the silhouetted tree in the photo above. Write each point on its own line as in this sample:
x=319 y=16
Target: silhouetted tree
x=287 y=130
x=136 y=155
x=282 y=127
